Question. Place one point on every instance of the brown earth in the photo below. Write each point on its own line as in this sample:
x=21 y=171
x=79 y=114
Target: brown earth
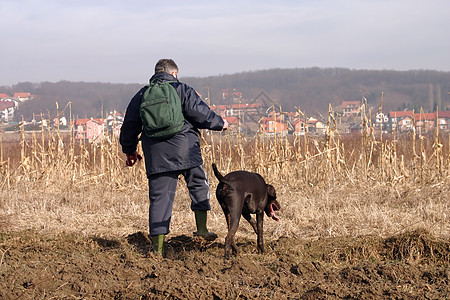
x=412 y=265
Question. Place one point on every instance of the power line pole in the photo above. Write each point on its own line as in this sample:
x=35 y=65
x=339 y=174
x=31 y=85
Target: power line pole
x=208 y=99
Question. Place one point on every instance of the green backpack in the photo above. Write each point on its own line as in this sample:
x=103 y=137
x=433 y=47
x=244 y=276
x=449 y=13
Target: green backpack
x=160 y=110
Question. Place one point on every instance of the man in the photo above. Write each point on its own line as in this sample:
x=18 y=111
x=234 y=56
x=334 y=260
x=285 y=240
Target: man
x=166 y=159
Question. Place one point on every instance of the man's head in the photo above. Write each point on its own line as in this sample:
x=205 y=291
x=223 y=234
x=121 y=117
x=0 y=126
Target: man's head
x=166 y=65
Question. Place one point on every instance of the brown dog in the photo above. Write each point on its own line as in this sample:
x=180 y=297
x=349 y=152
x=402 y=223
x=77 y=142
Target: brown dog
x=244 y=193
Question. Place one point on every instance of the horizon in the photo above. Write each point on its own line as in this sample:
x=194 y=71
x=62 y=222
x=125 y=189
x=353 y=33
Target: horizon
x=181 y=78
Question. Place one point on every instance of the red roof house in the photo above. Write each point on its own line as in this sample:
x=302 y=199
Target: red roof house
x=90 y=129
x=6 y=104
x=350 y=108
x=273 y=126
x=23 y=96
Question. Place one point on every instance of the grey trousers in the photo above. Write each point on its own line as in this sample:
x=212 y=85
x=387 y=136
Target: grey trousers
x=162 y=187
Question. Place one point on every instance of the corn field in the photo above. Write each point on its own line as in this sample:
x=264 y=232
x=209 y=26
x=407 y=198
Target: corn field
x=413 y=158
x=51 y=171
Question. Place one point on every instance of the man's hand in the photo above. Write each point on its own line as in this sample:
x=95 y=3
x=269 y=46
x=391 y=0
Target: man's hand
x=225 y=124
x=133 y=158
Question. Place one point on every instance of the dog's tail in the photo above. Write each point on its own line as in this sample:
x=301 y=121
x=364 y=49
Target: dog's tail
x=217 y=173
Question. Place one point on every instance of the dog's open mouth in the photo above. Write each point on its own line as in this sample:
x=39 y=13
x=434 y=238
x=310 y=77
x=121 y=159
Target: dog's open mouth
x=273 y=208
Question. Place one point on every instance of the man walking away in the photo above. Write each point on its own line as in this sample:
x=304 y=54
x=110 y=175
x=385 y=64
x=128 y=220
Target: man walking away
x=170 y=154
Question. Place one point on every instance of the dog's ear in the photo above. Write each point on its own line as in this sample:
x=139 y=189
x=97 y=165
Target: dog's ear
x=271 y=191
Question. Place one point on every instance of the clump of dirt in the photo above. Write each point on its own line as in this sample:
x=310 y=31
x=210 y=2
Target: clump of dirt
x=37 y=266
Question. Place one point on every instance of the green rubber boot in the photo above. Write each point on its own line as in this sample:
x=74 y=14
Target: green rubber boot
x=158 y=244
x=202 y=230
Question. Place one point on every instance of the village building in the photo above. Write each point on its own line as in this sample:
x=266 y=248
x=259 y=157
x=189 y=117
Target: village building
x=23 y=96
x=423 y=122
x=404 y=124
x=231 y=95
x=382 y=121
x=9 y=105
x=246 y=112
x=60 y=122
x=321 y=127
x=113 y=123
x=89 y=129
x=397 y=116
x=7 y=109
x=443 y=120
x=272 y=126
x=299 y=127
x=350 y=108
x=274 y=123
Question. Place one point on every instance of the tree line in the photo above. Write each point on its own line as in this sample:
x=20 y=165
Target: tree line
x=310 y=89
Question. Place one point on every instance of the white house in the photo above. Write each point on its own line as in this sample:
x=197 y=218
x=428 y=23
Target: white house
x=381 y=120
x=7 y=109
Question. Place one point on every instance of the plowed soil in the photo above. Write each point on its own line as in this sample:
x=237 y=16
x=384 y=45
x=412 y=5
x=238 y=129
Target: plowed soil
x=411 y=265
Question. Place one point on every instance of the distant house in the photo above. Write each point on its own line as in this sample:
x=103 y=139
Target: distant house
x=425 y=121
x=23 y=96
x=443 y=120
x=2 y=96
x=114 y=117
x=397 y=116
x=80 y=129
x=350 y=108
x=245 y=111
x=404 y=124
x=273 y=126
x=381 y=121
x=60 y=122
x=89 y=129
x=7 y=110
x=94 y=129
x=299 y=127
x=8 y=107
x=231 y=95
x=315 y=126
x=311 y=124
x=321 y=127
x=114 y=122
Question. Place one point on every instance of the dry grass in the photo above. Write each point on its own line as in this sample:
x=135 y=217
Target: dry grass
x=328 y=186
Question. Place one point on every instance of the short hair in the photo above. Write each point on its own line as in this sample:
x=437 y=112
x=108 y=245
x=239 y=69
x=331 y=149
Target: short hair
x=166 y=65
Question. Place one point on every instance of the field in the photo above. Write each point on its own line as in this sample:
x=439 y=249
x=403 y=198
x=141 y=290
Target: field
x=363 y=217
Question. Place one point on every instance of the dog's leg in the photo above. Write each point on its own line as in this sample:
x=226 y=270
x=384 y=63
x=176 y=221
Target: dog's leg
x=234 y=216
x=229 y=240
x=252 y=222
x=260 y=234
x=232 y=227
x=226 y=212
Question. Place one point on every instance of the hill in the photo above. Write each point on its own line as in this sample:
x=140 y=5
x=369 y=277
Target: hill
x=313 y=89
x=310 y=89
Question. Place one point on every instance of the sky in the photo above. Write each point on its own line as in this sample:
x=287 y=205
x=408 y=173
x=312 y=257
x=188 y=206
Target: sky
x=120 y=41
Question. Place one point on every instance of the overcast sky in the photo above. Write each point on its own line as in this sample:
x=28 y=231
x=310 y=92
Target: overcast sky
x=120 y=41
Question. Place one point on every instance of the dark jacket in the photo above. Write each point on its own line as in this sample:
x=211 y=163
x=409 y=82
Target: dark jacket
x=181 y=151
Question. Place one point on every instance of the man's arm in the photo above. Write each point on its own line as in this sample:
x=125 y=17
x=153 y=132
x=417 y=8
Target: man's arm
x=198 y=112
x=132 y=125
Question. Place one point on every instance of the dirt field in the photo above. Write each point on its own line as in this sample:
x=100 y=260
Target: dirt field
x=413 y=265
